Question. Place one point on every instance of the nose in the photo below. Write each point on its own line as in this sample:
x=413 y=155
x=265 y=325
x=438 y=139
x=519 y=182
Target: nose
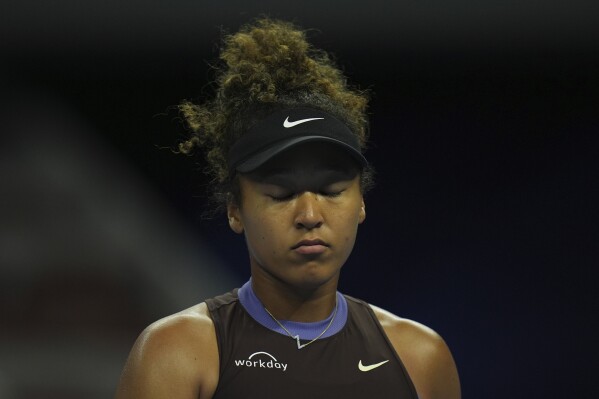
x=308 y=212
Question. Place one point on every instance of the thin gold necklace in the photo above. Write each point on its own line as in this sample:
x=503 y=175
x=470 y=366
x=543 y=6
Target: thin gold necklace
x=296 y=336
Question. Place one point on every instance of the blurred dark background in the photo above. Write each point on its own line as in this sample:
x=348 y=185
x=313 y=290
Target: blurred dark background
x=483 y=223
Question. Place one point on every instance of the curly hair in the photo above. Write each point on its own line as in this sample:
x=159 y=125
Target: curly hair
x=266 y=66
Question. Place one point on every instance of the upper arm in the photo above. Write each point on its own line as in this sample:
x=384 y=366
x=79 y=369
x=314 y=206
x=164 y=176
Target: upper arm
x=176 y=357
x=425 y=355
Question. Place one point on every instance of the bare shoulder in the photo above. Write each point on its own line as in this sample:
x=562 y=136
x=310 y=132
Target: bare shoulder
x=411 y=338
x=187 y=330
x=175 y=357
x=425 y=355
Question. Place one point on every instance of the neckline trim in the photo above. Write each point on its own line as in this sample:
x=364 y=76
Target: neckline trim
x=306 y=331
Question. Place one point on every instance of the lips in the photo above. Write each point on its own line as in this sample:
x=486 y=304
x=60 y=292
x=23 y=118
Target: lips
x=309 y=243
x=310 y=247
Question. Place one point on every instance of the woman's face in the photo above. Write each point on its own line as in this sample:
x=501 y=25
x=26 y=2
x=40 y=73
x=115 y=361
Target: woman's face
x=300 y=214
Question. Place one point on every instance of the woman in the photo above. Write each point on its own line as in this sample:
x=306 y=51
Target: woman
x=284 y=138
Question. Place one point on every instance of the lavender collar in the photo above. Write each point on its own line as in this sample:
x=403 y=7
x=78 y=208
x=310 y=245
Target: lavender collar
x=306 y=331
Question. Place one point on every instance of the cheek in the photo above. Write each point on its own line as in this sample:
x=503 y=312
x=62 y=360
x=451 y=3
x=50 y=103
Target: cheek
x=263 y=236
x=347 y=226
x=268 y=241
x=350 y=235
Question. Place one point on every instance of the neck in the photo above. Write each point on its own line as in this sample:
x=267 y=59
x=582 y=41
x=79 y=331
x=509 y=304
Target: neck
x=306 y=330
x=304 y=304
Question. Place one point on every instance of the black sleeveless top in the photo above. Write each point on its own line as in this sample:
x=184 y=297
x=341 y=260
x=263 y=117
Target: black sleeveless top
x=255 y=362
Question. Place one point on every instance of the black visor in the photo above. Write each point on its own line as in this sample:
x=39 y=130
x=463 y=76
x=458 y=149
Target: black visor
x=285 y=129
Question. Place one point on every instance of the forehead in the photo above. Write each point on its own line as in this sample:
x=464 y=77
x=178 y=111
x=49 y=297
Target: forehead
x=309 y=159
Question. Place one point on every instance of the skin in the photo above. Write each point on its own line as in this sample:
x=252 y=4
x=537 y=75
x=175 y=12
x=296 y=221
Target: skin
x=310 y=193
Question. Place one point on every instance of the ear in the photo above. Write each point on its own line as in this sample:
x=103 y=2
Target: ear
x=234 y=215
x=362 y=215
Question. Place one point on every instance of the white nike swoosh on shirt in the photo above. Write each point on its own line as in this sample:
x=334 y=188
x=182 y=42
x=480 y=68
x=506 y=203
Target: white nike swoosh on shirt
x=370 y=367
x=288 y=124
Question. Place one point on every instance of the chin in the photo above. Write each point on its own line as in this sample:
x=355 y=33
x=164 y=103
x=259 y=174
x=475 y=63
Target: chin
x=311 y=279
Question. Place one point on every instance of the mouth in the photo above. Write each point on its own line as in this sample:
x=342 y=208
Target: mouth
x=310 y=247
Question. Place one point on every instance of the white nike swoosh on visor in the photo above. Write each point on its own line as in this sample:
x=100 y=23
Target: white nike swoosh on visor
x=288 y=124
x=370 y=367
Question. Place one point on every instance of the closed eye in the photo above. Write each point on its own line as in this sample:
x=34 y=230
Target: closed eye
x=289 y=196
x=281 y=198
x=332 y=194
x=334 y=189
x=280 y=194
